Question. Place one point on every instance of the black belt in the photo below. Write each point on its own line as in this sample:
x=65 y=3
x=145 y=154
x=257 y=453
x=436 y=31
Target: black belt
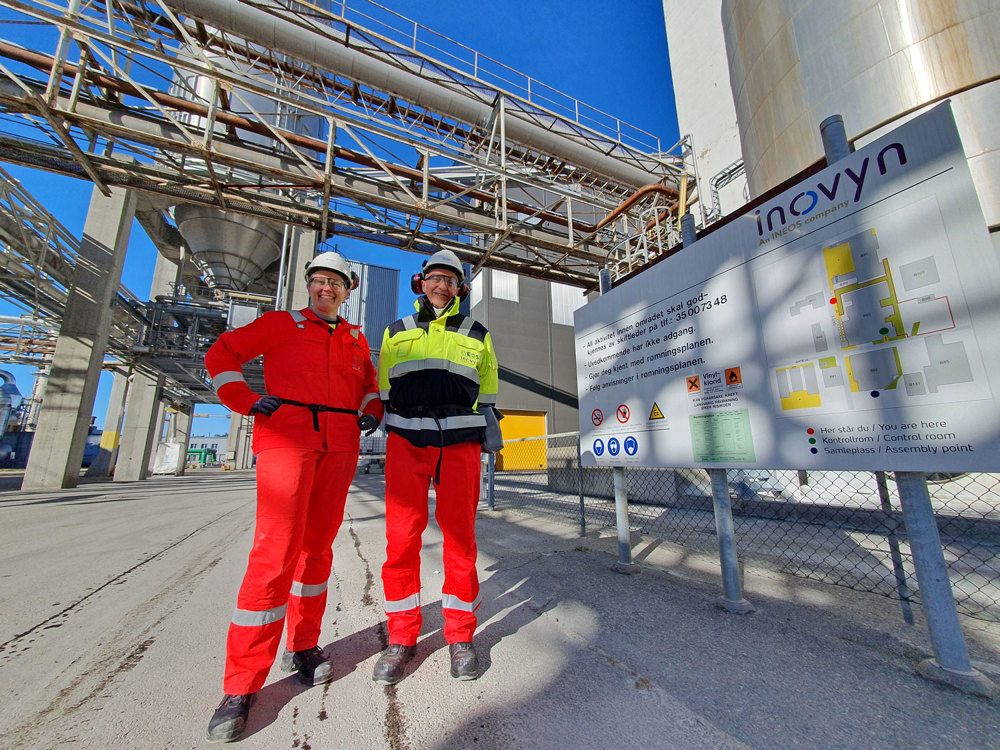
x=317 y=408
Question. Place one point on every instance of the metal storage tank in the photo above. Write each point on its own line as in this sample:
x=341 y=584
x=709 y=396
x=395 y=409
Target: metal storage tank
x=373 y=305
x=793 y=63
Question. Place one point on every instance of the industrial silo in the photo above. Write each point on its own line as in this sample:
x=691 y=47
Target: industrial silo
x=793 y=63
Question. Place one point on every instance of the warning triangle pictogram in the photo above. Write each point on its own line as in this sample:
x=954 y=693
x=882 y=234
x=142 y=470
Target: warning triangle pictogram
x=656 y=413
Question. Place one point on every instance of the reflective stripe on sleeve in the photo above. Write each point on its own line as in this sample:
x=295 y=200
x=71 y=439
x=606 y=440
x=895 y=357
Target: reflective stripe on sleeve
x=226 y=377
x=307 y=589
x=450 y=601
x=403 y=605
x=384 y=394
x=254 y=619
x=487 y=399
x=367 y=400
x=466 y=327
x=417 y=365
x=458 y=422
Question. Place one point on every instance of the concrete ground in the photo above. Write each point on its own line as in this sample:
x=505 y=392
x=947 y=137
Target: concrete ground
x=116 y=599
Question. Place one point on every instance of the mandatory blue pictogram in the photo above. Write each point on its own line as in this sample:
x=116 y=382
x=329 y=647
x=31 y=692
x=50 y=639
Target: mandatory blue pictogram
x=598 y=447
x=613 y=446
x=631 y=445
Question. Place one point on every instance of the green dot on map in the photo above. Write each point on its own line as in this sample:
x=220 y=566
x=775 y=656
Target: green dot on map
x=883 y=331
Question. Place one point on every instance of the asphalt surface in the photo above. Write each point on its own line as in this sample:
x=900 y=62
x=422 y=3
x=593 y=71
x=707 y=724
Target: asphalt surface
x=116 y=599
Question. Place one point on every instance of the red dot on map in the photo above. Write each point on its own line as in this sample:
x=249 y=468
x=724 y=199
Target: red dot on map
x=810 y=431
x=833 y=300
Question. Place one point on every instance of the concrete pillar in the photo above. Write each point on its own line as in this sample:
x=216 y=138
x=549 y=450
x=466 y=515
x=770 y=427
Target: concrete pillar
x=238 y=448
x=107 y=454
x=139 y=428
x=160 y=427
x=61 y=433
x=302 y=248
x=182 y=434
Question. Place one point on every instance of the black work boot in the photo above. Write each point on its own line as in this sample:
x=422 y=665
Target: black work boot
x=230 y=718
x=389 y=669
x=311 y=664
x=464 y=662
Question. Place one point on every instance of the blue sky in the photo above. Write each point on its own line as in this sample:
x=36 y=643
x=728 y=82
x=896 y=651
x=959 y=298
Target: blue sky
x=611 y=56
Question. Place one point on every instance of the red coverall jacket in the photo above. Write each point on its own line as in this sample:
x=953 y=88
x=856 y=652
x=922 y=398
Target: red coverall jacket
x=305 y=361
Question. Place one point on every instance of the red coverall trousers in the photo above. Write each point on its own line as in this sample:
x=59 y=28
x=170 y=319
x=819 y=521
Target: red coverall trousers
x=300 y=505
x=409 y=471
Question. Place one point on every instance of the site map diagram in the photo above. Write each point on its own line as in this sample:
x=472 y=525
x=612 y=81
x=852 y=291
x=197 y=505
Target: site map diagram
x=873 y=318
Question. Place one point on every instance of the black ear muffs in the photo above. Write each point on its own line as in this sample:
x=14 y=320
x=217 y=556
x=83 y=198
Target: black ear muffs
x=354 y=280
x=463 y=290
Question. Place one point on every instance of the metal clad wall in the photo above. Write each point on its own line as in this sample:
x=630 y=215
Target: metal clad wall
x=792 y=64
x=373 y=304
x=537 y=358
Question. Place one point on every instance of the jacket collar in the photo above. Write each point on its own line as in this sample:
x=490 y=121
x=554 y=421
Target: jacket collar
x=425 y=311
x=308 y=312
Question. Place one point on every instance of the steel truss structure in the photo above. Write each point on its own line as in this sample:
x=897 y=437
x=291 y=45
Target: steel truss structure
x=344 y=118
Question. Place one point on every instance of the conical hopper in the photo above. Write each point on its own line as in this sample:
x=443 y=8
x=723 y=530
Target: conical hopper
x=234 y=250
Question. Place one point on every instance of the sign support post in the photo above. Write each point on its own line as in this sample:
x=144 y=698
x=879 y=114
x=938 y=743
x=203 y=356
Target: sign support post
x=950 y=664
x=625 y=566
x=732 y=587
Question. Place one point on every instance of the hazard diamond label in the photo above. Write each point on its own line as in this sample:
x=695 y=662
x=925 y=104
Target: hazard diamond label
x=694 y=384
x=655 y=413
x=733 y=376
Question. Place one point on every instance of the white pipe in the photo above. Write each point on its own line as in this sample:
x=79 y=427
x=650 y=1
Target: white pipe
x=276 y=33
x=30 y=322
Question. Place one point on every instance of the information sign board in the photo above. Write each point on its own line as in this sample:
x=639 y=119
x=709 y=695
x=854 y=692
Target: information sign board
x=849 y=323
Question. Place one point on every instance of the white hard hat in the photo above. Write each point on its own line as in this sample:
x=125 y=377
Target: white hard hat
x=444 y=259
x=330 y=261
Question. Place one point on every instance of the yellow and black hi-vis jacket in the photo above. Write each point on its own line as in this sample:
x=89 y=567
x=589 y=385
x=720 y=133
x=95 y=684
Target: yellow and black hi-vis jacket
x=434 y=374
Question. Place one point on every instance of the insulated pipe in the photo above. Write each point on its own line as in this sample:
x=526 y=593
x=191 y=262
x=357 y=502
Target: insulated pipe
x=274 y=32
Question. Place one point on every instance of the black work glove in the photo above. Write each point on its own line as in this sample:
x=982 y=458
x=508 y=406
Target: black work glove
x=492 y=437
x=266 y=405
x=368 y=423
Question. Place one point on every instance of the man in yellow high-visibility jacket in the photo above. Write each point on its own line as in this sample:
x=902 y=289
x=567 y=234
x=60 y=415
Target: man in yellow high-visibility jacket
x=437 y=377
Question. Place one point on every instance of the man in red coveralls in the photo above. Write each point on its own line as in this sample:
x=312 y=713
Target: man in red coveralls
x=321 y=393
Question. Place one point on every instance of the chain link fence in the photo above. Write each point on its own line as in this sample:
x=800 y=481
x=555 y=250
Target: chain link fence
x=839 y=527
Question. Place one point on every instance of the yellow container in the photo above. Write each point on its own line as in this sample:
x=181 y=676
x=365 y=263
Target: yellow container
x=529 y=454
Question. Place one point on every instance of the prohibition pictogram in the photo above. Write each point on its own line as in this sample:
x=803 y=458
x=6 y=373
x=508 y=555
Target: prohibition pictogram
x=597 y=417
x=622 y=414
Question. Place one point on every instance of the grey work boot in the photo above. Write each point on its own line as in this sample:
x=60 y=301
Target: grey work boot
x=311 y=664
x=464 y=662
x=230 y=719
x=389 y=669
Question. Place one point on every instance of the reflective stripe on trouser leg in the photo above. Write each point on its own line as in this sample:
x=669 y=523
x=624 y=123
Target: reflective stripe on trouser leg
x=407 y=478
x=307 y=603
x=455 y=512
x=284 y=480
